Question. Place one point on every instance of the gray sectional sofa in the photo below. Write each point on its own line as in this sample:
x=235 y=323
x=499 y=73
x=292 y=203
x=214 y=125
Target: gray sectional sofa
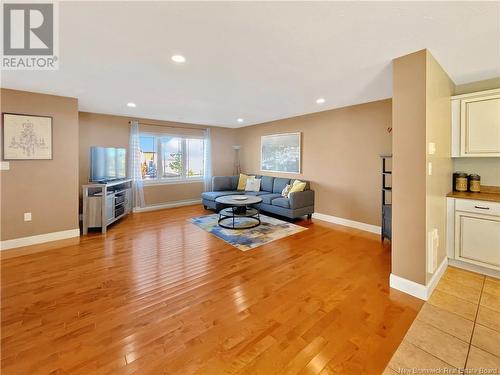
x=296 y=205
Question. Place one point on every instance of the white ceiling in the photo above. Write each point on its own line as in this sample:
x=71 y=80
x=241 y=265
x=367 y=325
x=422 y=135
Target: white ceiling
x=257 y=60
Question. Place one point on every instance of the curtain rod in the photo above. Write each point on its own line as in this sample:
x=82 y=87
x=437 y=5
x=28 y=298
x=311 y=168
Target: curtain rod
x=169 y=126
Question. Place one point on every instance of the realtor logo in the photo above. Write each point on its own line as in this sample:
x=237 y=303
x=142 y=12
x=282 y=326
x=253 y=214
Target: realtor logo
x=29 y=36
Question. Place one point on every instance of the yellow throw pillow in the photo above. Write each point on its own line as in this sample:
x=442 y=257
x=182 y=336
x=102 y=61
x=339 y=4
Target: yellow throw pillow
x=297 y=186
x=242 y=182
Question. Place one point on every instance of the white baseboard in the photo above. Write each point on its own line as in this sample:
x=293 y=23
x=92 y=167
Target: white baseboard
x=474 y=268
x=437 y=276
x=348 y=223
x=416 y=289
x=162 y=206
x=40 y=238
x=407 y=286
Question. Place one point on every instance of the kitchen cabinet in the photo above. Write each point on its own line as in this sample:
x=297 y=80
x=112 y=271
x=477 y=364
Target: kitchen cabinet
x=477 y=233
x=476 y=124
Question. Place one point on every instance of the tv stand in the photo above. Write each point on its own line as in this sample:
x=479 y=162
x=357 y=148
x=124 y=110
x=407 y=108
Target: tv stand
x=105 y=203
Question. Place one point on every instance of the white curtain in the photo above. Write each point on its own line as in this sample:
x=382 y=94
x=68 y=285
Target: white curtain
x=134 y=165
x=207 y=160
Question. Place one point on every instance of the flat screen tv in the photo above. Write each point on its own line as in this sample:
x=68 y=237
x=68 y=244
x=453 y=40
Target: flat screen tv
x=107 y=164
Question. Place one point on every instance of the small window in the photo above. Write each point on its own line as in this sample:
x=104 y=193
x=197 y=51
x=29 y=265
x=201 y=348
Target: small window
x=149 y=157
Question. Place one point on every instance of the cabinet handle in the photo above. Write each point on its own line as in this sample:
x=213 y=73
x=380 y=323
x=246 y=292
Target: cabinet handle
x=482 y=208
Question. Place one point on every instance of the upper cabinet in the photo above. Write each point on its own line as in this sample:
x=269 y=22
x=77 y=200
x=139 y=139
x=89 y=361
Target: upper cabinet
x=475 y=119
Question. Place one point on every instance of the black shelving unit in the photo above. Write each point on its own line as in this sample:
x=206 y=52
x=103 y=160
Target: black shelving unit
x=386 y=197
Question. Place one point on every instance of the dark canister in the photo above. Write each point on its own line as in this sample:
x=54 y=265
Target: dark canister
x=474 y=183
x=460 y=181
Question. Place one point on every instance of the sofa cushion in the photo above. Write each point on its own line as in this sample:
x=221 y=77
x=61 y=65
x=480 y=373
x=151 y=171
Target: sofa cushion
x=297 y=186
x=308 y=185
x=255 y=193
x=222 y=183
x=213 y=195
x=279 y=184
x=234 y=182
x=281 y=202
x=253 y=184
x=267 y=198
x=242 y=181
x=266 y=183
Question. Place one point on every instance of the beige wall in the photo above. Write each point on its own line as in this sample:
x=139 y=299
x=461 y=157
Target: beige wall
x=409 y=167
x=113 y=131
x=46 y=188
x=487 y=168
x=158 y=194
x=439 y=89
x=340 y=156
x=421 y=114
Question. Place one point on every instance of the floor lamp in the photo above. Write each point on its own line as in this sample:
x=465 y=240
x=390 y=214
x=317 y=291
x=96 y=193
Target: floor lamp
x=236 y=165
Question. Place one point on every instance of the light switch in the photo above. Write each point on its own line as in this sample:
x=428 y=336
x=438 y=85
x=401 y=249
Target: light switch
x=432 y=148
x=27 y=216
x=430 y=168
x=4 y=165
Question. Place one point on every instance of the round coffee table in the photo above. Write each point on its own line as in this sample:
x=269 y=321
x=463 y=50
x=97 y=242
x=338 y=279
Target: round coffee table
x=238 y=206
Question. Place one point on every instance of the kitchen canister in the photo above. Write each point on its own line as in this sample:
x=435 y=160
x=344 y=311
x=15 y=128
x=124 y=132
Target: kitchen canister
x=474 y=183
x=460 y=181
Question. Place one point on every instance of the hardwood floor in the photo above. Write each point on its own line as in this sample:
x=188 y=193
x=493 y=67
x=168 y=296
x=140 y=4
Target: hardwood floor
x=158 y=295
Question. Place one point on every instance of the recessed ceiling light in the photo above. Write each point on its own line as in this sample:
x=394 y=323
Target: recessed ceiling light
x=320 y=100
x=178 y=58
x=131 y=105
x=240 y=120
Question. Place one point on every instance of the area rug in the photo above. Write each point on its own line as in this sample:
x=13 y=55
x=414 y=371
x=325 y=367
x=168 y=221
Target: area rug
x=270 y=229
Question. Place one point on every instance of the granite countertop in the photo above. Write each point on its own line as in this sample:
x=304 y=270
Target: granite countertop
x=488 y=193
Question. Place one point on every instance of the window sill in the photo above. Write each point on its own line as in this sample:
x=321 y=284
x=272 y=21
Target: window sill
x=172 y=182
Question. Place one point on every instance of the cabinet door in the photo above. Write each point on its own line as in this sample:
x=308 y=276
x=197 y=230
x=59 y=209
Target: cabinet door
x=480 y=126
x=478 y=239
x=110 y=207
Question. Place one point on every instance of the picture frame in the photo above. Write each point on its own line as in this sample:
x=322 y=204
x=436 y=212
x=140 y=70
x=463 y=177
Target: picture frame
x=281 y=153
x=26 y=137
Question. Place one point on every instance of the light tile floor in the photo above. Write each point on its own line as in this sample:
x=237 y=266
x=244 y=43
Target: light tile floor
x=457 y=328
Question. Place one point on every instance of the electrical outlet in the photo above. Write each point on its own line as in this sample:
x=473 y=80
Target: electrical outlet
x=27 y=216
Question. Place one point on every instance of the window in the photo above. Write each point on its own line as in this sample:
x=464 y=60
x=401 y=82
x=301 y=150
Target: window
x=149 y=160
x=171 y=158
x=171 y=149
x=194 y=148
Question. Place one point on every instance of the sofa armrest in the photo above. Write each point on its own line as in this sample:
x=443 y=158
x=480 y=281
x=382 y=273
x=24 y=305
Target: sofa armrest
x=301 y=199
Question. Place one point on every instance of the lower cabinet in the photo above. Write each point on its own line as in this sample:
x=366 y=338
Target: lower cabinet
x=477 y=233
x=387 y=221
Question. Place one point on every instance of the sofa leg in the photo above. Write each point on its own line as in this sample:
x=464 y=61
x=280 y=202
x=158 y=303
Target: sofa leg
x=309 y=216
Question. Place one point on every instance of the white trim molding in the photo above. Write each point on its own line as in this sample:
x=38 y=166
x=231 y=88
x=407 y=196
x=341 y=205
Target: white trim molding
x=474 y=268
x=162 y=206
x=415 y=289
x=40 y=238
x=348 y=223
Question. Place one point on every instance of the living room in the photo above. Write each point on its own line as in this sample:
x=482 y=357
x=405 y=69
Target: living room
x=277 y=206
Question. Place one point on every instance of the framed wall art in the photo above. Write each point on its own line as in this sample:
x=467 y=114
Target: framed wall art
x=280 y=153
x=26 y=137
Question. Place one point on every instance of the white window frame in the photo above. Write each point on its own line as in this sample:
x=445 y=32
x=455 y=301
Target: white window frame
x=183 y=179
